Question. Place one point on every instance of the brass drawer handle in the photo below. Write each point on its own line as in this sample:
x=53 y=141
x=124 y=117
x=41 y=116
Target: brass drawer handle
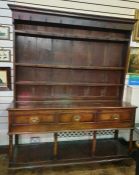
x=115 y=116
x=34 y=120
x=76 y=118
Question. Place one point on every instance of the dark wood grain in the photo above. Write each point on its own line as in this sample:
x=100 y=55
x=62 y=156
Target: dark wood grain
x=69 y=36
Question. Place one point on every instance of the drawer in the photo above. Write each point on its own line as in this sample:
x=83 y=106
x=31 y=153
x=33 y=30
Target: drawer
x=31 y=117
x=113 y=115
x=76 y=117
x=34 y=118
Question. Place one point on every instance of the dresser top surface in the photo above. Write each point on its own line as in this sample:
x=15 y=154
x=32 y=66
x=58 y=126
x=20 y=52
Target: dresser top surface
x=69 y=105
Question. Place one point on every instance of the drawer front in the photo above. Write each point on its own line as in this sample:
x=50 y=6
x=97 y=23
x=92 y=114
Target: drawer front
x=54 y=116
x=114 y=116
x=47 y=121
x=34 y=118
x=51 y=121
x=76 y=117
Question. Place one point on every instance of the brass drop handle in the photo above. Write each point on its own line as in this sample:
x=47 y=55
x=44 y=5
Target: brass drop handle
x=115 y=116
x=34 y=119
x=76 y=118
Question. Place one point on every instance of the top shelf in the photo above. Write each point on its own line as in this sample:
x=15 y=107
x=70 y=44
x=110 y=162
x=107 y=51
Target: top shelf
x=69 y=67
x=69 y=36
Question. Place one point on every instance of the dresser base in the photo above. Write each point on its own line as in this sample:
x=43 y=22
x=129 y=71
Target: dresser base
x=69 y=153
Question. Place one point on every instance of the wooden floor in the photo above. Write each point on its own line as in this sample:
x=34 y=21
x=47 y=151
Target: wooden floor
x=116 y=168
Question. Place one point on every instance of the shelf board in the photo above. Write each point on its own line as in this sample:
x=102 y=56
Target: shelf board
x=66 y=104
x=69 y=67
x=68 y=36
x=65 y=100
x=64 y=84
x=69 y=153
x=36 y=98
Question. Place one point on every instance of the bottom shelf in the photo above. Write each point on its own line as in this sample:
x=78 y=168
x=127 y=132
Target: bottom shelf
x=69 y=153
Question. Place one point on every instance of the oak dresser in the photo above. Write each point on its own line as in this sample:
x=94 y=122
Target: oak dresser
x=69 y=75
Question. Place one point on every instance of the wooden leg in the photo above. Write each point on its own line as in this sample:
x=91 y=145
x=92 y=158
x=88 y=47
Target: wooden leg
x=16 y=139
x=116 y=134
x=94 y=143
x=131 y=140
x=55 y=145
x=10 y=147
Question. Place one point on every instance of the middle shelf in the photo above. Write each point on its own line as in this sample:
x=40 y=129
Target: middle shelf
x=64 y=84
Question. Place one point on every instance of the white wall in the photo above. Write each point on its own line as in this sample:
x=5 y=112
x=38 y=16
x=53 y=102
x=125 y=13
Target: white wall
x=116 y=8
x=6 y=97
x=119 y=8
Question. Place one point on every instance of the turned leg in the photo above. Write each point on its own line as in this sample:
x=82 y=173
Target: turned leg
x=94 y=143
x=55 y=145
x=10 y=147
x=116 y=134
x=16 y=139
x=130 y=140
